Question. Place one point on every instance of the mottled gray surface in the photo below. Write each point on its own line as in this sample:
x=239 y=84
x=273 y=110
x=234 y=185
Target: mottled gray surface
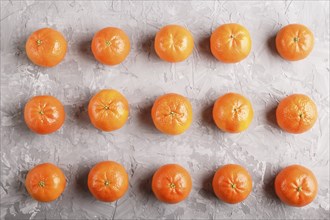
x=263 y=77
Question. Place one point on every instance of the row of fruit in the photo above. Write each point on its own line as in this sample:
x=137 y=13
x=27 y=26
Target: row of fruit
x=171 y=113
x=295 y=185
x=229 y=43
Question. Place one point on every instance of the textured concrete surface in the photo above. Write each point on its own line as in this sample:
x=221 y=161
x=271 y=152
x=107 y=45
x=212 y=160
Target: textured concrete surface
x=263 y=77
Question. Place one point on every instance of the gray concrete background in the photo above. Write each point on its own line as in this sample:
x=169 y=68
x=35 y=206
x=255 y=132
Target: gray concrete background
x=263 y=77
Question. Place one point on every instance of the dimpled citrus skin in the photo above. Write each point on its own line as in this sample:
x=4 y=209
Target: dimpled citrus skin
x=296 y=113
x=172 y=114
x=108 y=110
x=171 y=183
x=44 y=114
x=45 y=182
x=296 y=185
x=294 y=42
x=233 y=113
x=108 y=181
x=232 y=183
x=174 y=43
x=110 y=46
x=230 y=43
x=46 y=47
